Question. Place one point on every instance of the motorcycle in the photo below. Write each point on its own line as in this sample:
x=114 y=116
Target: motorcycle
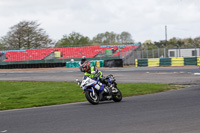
x=104 y=92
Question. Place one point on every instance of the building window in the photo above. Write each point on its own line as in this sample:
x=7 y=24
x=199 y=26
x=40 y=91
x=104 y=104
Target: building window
x=194 y=52
x=172 y=53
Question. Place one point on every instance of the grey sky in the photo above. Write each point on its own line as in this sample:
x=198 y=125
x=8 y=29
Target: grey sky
x=144 y=19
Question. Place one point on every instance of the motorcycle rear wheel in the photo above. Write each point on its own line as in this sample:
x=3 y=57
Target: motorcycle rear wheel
x=92 y=99
x=117 y=97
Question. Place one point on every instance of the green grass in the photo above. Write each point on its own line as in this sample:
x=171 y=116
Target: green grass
x=21 y=94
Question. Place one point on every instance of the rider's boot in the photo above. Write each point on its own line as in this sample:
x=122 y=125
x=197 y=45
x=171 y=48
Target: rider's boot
x=113 y=89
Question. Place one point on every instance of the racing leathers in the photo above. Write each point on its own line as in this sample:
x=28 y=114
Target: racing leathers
x=96 y=74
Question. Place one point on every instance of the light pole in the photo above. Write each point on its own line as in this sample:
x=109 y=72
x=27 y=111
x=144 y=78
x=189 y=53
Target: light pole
x=166 y=33
x=164 y=50
x=195 y=49
x=152 y=51
x=177 y=52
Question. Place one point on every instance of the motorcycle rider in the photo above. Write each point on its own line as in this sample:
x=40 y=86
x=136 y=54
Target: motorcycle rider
x=93 y=73
x=82 y=60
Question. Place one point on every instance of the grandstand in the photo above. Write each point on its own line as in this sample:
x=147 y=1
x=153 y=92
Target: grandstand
x=61 y=55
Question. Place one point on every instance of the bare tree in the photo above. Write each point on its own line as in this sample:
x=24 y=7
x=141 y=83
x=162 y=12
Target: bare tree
x=27 y=35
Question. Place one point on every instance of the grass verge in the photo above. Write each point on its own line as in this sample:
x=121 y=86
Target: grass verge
x=22 y=94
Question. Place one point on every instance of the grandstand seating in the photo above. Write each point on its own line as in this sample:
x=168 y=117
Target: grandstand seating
x=125 y=49
x=66 y=53
x=78 y=52
x=29 y=54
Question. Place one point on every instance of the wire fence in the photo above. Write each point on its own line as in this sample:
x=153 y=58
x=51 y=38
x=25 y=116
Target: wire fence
x=130 y=56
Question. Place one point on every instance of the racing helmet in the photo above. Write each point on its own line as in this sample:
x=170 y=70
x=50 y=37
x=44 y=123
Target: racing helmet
x=85 y=67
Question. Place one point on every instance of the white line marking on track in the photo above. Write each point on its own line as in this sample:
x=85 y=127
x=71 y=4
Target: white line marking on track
x=4 y=131
x=41 y=107
x=113 y=70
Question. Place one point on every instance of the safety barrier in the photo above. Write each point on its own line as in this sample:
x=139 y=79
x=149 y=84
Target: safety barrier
x=190 y=61
x=72 y=64
x=155 y=62
x=99 y=63
x=113 y=63
x=198 y=61
x=165 y=62
x=177 y=61
x=142 y=62
x=136 y=62
x=96 y=63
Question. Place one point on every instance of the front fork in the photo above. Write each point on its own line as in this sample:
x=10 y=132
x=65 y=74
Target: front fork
x=93 y=93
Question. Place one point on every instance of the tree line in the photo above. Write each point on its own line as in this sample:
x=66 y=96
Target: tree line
x=29 y=35
x=172 y=43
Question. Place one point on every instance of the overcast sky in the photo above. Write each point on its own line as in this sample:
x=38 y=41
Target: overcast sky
x=144 y=19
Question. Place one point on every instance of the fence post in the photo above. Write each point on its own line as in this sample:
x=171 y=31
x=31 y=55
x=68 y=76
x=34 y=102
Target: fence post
x=164 y=52
x=153 y=52
x=142 y=53
x=147 y=53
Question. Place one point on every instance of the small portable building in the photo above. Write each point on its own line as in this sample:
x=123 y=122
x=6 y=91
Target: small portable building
x=184 y=52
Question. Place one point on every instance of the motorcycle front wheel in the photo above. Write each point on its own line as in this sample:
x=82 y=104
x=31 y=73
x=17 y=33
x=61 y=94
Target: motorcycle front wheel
x=93 y=99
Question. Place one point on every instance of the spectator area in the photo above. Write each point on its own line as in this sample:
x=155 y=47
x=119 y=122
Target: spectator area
x=64 y=53
x=125 y=49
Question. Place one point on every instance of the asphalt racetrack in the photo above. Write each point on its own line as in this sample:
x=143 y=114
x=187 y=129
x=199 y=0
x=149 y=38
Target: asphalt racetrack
x=175 y=111
x=178 y=75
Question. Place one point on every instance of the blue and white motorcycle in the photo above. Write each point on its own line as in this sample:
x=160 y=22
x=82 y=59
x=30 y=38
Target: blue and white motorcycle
x=96 y=91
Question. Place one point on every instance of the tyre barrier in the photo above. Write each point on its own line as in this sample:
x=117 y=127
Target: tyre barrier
x=198 y=61
x=96 y=63
x=156 y=62
x=39 y=65
x=165 y=62
x=177 y=61
x=113 y=63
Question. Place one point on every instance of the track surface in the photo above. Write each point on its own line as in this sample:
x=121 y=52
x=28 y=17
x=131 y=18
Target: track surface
x=168 y=112
x=178 y=75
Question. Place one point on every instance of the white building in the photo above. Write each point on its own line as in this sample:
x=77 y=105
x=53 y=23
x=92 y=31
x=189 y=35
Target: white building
x=184 y=52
